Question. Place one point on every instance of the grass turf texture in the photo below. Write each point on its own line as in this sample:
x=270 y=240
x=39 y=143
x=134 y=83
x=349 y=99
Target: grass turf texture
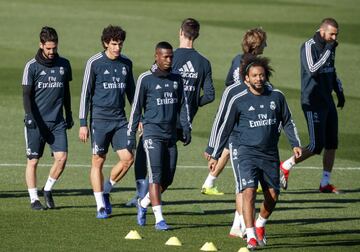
x=303 y=219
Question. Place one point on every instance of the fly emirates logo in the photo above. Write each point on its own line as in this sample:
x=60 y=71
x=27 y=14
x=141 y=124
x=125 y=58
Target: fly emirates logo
x=168 y=99
x=263 y=121
x=51 y=83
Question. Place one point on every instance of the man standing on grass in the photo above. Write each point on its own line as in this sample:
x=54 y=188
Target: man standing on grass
x=108 y=77
x=318 y=80
x=196 y=72
x=260 y=112
x=46 y=93
x=159 y=101
x=254 y=42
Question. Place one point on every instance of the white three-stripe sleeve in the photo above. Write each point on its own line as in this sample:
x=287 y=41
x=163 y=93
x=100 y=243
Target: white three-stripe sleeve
x=27 y=78
x=288 y=123
x=231 y=116
x=88 y=82
x=313 y=64
x=184 y=109
x=220 y=114
x=136 y=108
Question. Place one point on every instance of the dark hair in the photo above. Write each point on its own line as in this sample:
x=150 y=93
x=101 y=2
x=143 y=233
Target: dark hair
x=250 y=60
x=48 y=34
x=330 y=21
x=253 y=39
x=115 y=33
x=191 y=28
x=163 y=45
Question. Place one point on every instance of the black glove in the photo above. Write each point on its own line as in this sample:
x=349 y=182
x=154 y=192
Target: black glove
x=186 y=137
x=331 y=45
x=131 y=145
x=341 y=99
x=29 y=121
x=69 y=120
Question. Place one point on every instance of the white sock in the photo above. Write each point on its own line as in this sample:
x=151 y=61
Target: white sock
x=242 y=223
x=145 y=202
x=209 y=182
x=325 y=178
x=108 y=185
x=99 y=200
x=33 y=194
x=288 y=164
x=49 y=184
x=236 y=223
x=158 y=213
x=260 y=221
x=250 y=232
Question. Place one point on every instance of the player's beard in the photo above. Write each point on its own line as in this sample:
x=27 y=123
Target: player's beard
x=259 y=88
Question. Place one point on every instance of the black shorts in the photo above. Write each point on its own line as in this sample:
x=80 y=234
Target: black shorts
x=104 y=132
x=248 y=172
x=161 y=158
x=322 y=127
x=52 y=133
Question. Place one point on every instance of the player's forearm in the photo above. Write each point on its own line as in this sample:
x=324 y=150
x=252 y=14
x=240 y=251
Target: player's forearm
x=27 y=99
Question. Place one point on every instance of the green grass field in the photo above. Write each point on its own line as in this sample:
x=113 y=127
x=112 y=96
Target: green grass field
x=304 y=220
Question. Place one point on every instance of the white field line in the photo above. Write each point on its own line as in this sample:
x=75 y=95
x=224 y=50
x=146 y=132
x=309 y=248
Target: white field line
x=179 y=166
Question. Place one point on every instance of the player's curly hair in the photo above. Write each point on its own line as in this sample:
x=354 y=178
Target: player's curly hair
x=253 y=39
x=48 y=34
x=115 y=33
x=249 y=60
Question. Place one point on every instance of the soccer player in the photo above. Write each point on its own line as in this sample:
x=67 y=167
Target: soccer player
x=318 y=80
x=108 y=77
x=196 y=72
x=159 y=101
x=260 y=112
x=254 y=42
x=46 y=94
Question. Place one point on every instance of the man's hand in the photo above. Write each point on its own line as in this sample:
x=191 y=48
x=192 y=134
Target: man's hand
x=207 y=156
x=212 y=164
x=69 y=120
x=341 y=100
x=29 y=121
x=186 y=137
x=140 y=129
x=297 y=152
x=83 y=134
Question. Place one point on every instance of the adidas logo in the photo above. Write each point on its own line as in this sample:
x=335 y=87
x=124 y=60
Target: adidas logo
x=43 y=72
x=158 y=87
x=106 y=72
x=188 y=71
x=251 y=108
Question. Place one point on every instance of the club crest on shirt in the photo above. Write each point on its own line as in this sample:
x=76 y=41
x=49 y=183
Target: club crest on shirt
x=148 y=144
x=272 y=105
x=175 y=85
x=62 y=71
x=234 y=154
x=124 y=72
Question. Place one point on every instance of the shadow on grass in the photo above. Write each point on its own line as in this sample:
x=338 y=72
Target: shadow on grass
x=307 y=221
x=317 y=242
x=315 y=191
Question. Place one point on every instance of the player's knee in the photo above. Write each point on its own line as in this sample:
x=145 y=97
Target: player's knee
x=32 y=162
x=60 y=158
x=156 y=178
x=98 y=160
